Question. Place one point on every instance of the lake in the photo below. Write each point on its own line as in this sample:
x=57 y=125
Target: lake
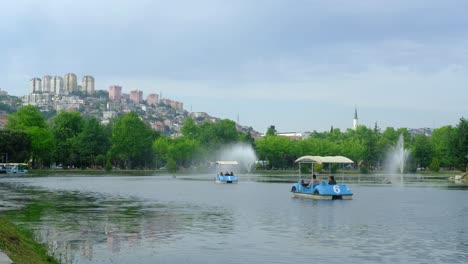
x=190 y=219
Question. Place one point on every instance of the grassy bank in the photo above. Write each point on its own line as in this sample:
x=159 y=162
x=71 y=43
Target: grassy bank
x=20 y=247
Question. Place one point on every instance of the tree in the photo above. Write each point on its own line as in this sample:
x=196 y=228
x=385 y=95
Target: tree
x=26 y=117
x=368 y=138
x=271 y=131
x=422 y=150
x=276 y=150
x=161 y=151
x=182 y=151
x=29 y=120
x=43 y=145
x=190 y=129
x=132 y=142
x=92 y=142
x=443 y=139
x=461 y=145
x=66 y=126
x=15 y=146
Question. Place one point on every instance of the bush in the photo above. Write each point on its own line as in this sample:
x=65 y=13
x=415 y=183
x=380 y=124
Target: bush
x=171 y=165
x=363 y=168
x=108 y=166
x=434 y=166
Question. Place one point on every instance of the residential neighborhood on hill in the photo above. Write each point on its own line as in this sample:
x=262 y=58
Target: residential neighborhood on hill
x=53 y=94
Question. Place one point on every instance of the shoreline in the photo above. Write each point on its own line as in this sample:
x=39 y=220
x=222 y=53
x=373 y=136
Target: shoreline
x=156 y=173
x=18 y=244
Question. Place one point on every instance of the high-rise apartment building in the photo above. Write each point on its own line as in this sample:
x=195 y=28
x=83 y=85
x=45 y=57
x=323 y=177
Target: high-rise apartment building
x=152 y=99
x=87 y=84
x=35 y=85
x=136 y=96
x=115 y=92
x=56 y=85
x=46 y=84
x=70 y=83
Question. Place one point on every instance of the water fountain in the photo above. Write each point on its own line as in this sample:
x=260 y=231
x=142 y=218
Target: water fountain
x=241 y=152
x=396 y=159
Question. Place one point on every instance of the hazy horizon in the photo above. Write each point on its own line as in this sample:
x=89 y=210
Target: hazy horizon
x=298 y=65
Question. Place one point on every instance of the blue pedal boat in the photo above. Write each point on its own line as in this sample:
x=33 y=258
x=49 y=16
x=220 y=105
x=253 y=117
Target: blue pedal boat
x=224 y=172
x=13 y=168
x=322 y=191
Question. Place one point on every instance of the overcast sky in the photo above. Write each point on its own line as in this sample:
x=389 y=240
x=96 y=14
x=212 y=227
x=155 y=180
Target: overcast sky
x=301 y=65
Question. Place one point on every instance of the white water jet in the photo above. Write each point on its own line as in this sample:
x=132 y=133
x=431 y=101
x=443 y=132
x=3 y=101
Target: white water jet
x=240 y=152
x=396 y=158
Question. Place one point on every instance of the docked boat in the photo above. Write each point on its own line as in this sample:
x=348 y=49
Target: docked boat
x=224 y=172
x=13 y=168
x=323 y=190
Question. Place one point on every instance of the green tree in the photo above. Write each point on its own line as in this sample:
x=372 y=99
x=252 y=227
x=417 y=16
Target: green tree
x=161 y=151
x=442 y=140
x=460 y=145
x=26 y=117
x=66 y=126
x=132 y=142
x=183 y=150
x=29 y=120
x=422 y=150
x=276 y=150
x=368 y=138
x=92 y=142
x=15 y=146
x=271 y=131
x=434 y=166
x=190 y=129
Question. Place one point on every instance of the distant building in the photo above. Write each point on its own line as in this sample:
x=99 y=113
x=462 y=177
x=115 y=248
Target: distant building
x=87 y=84
x=173 y=104
x=70 y=83
x=152 y=99
x=115 y=92
x=56 y=85
x=136 y=96
x=355 y=120
x=46 y=84
x=35 y=85
x=3 y=93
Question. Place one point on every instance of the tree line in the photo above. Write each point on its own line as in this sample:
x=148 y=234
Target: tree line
x=446 y=148
x=71 y=140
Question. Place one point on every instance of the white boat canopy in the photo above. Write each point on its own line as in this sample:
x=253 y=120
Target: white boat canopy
x=323 y=159
x=228 y=162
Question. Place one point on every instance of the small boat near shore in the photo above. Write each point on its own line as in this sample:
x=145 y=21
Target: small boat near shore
x=323 y=190
x=228 y=176
x=14 y=168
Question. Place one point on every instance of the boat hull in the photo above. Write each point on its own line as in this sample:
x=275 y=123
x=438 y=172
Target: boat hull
x=226 y=179
x=322 y=191
x=226 y=182
x=322 y=197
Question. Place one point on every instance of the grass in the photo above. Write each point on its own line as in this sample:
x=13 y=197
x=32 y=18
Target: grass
x=19 y=245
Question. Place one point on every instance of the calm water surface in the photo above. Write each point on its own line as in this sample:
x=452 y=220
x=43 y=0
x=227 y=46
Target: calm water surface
x=190 y=219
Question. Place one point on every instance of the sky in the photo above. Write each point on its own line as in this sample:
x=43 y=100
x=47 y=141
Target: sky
x=301 y=65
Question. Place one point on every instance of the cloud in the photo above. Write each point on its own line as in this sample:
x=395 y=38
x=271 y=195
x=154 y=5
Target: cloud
x=377 y=54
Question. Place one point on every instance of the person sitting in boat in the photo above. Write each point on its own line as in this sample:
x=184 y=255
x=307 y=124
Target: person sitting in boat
x=221 y=174
x=227 y=173
x=232 y=173
x=331 y=180
x=314 y=182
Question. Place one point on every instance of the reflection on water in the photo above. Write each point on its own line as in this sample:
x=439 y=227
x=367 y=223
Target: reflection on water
x=192 y=220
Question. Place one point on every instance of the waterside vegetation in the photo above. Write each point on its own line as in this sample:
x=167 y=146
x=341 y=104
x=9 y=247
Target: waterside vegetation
x=70 y=140
x=20 y=246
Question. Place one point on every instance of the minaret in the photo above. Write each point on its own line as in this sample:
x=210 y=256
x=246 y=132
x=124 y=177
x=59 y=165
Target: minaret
x=355 y=120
